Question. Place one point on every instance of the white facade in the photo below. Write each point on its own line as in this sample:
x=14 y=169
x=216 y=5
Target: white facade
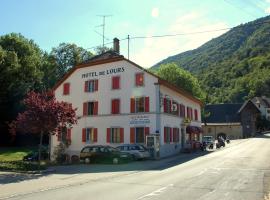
x=155 y=119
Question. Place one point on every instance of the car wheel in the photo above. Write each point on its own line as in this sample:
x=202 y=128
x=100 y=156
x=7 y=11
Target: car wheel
x=115 y=160
x=87 y=160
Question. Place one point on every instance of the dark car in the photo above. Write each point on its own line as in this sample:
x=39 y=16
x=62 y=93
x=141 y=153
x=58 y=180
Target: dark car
x=33 y=156
x=100 y=153
x=137 y=151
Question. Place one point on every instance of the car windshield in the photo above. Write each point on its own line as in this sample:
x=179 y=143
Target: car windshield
x=111 y=149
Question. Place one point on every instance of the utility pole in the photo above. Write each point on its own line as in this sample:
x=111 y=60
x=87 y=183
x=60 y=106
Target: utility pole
x=128 y=46
x=103 y=27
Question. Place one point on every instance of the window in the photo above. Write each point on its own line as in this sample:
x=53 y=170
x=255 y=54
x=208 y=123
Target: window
x=174 y=108
x=115 y=82
x=139 y=104
x=90 y=108
x=115 y=135
x=190 y=113
x=91 y=86
x=64 y=135
x=167 y=105
x=66 y=88
x=139 y=79
x=209 y=130
x=167 y=135
x=138 y=134
x=176 y=135
x=89 y=135
x=115 y=106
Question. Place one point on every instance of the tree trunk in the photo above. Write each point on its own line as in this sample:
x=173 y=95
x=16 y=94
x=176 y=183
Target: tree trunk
x=39 y=148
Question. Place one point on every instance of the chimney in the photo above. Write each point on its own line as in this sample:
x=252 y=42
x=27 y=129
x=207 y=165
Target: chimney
x=116 y=46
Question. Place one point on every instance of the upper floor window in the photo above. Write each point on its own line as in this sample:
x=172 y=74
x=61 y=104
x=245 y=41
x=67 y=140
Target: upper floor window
x=167 y=104
x=190 y=113
x=139 y=104
x=196 y=114
x=115 y=82
x=66 y=88
x=90 y=108
x=182 y=110
x=91 y=85
x=139 y=79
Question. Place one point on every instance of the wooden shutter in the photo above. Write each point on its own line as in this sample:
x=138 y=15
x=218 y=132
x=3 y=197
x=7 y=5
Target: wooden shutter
x=86 y=85
x=196 y=114
x=179 y=110
x=171 y=135
x=165 y=105
x=95 y=135
x=95 y=108
x=96 y=85
x=191 y=113
x=115 y=106
x=108 y=135
x=132 y=135
x=184 y=111
x=170 y=106
x=116 y=82
x=83 y=135
x=121 y=135
x=165 y=135
x=146 y=132
x=137 y=77
x=85 y=108
x=69 y=134
x=146 y=104
x=132 y=105
x=66 y=88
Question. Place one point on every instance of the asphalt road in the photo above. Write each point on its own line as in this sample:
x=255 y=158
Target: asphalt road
x=238 y=172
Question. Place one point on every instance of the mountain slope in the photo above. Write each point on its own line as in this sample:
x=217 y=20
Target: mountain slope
x=235 y=65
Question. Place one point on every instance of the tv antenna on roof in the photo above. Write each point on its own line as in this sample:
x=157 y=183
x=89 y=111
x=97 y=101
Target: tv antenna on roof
x=103 y=27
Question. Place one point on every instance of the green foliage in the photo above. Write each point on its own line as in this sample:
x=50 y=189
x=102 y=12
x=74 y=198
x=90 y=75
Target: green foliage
x=180 y=78
x=234 y=66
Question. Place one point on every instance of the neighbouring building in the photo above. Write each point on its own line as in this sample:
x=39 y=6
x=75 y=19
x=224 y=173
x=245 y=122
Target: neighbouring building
x=119 y=102
x=223 y=120
x=263 y=104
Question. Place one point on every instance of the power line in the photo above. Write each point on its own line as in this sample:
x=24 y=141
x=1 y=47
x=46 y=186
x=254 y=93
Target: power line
x=243 y=10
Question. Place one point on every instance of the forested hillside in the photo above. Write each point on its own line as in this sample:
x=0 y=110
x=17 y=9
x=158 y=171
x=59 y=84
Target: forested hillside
x=234 y=66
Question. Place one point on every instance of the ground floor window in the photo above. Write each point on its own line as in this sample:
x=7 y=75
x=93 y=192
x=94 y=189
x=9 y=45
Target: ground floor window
x=115 y=135
x=176 y=135
x=139 y=134
x=167 y=135
x=90 y=135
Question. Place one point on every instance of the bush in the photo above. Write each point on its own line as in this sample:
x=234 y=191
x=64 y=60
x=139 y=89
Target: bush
x=21 y=166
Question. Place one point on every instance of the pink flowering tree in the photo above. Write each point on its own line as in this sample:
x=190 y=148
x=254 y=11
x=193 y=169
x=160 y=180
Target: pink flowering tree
x=43 y=115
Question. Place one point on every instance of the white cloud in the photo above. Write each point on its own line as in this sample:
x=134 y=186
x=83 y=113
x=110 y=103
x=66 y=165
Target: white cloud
x=155 y=12
x=267 y=1
x=156 y=49
x=267 y=10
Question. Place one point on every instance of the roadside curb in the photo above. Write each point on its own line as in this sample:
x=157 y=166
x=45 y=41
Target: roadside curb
x=31 y=172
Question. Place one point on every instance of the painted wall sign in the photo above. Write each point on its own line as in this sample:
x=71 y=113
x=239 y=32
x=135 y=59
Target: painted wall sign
x=139 y=120
x=104 y=72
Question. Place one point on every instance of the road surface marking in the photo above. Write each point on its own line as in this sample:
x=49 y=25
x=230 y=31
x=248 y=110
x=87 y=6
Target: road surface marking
x=156 y=192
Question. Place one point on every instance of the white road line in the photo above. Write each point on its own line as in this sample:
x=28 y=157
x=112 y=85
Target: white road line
x=156 y=192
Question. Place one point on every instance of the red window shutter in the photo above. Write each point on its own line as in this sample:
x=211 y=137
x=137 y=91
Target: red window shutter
x=165 y=105
x=146 y=104
x=196 y=114
x=121 y=135
x=179 y=110
x=66 y=88
x=96 y=85
x=171 y=135
x=95 y=134
x=191 y=113
x=139 y=79
x=132 y=135
x=165 y=135
x=184 y=111
x=146 y=132
x=116 y=82
x=170 y=106
x=86 y=86
x=132 y=105
x=188 y=113
x=83 y=135
x=115 y=106
x=69 y=134
x=85 y=109
x=95 y=107
x=108 y=135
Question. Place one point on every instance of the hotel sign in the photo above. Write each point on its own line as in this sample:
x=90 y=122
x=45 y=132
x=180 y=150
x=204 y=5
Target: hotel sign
x=139 y=120
x=104 y=72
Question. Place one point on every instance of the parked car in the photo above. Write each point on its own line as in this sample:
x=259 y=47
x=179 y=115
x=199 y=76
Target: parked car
x=100 y=153
x=208 y=141
x=33 y=156
x=137 y=151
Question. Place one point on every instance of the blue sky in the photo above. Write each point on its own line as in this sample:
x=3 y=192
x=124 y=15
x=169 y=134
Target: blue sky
x=51 y=22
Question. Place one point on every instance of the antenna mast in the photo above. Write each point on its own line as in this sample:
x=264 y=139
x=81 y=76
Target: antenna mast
x=103 y=27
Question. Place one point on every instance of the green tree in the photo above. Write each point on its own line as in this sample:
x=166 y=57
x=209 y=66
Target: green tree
x=66 y=56
x=20 y=72
x=180 y=78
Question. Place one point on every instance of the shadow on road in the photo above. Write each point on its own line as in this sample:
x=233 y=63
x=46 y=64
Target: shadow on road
x=9 y=177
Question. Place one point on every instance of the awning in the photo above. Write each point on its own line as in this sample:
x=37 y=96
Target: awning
x=193 y=129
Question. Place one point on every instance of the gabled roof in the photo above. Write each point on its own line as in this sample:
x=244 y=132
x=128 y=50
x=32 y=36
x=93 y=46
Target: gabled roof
x=248 y=102
x=264 y=101
x=223 y=113
x=112 y=56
